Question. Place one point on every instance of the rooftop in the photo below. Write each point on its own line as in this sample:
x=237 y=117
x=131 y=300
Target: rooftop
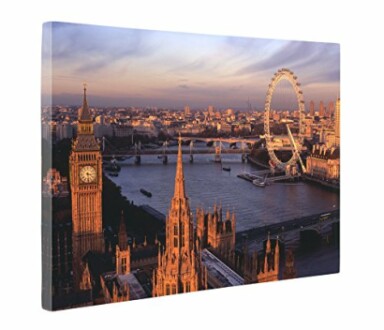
x=220 y=270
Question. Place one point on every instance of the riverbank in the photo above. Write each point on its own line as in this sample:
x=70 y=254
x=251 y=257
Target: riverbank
x=139 y=222
x=327 y=184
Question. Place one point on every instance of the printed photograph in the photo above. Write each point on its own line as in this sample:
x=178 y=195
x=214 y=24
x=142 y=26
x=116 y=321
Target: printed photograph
x=176 y=162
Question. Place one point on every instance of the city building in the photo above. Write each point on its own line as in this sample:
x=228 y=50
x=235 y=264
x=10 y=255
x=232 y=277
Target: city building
x=216 y=232
x=324 y=163
x=103 y=129
x=229 y=112
x=61 y=253
x=321 y=109
x=110 y=274
x=264 y=267
x=289 y=270
x=312 y=108
x=144 y=127
x=224 y=127
x=219 y=275
x=114 y=288
x=85 y=164
x=122 y=130
x=115 y=284
x=100 y=119
x=64 y=131
x=123 y=251
x=327 y=137
x=331 y=109
x=179 y=266
x=308 y=128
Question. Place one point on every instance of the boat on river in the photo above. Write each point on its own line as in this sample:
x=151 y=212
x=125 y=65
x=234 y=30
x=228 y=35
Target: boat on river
x=146 y=192
x=259 y=183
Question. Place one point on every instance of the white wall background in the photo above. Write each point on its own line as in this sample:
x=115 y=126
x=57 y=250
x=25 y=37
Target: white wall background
x=324 y=302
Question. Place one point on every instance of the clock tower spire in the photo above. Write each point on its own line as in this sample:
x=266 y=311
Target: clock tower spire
x=85 y=163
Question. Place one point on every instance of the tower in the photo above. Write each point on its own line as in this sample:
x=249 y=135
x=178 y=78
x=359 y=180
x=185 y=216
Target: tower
x=217 y=232
x=321 y=109
x=289 y=271
x=262 y=268
x=179 y=266
x=123 y=252
x=331 y=109
x=85 y=164
x=312 y=108
x=269 y=269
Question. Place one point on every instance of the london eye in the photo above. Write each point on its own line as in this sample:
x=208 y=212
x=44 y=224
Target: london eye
x=286 y=140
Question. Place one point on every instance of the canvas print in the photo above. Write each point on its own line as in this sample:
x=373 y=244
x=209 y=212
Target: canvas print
x=175 y=162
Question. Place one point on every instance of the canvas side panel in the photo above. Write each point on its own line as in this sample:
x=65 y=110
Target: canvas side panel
x=46 y=140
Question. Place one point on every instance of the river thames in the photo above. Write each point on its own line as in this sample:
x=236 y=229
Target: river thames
x=206 y=184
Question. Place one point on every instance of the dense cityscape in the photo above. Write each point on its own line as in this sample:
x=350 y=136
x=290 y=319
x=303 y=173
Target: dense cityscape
x=60 y=122
x=147 y=201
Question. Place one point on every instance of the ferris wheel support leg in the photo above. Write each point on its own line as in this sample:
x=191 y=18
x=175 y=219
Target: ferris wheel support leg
x=295 y=149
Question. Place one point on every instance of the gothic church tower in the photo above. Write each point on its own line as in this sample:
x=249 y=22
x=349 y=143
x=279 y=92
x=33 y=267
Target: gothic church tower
x=179 y=266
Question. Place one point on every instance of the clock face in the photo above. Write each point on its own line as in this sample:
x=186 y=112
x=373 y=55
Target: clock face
x=88 y=174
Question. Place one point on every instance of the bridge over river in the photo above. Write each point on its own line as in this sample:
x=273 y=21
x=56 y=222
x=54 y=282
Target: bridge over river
x=314 y=221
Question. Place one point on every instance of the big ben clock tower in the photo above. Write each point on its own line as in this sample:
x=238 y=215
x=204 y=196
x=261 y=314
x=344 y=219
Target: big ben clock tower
x=85 y=163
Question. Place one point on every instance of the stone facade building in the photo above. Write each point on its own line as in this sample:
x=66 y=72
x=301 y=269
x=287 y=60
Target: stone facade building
x=216 y=232
x=259 y=268
x=324 y=163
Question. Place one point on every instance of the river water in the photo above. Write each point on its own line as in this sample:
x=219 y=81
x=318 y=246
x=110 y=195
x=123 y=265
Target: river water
x=206 y=184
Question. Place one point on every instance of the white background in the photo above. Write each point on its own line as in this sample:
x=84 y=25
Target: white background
x=353 y=297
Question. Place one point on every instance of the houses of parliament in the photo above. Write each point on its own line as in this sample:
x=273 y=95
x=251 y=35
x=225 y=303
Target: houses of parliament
x=187 y=259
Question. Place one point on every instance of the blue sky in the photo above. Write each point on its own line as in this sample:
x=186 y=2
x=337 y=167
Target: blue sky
x=139 y=67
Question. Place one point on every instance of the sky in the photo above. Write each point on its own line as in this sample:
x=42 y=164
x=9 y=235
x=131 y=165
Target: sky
x=133 y=67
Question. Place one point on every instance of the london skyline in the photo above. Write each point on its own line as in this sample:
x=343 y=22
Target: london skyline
x=131 y=67
x=254 y=184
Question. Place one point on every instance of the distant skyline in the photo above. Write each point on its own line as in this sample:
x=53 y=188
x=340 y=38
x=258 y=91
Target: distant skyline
x=132 y=67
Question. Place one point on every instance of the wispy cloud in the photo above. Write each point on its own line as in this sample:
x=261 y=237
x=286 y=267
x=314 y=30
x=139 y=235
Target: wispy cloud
x=298 y=55
x=87 y=48
x=181 y=68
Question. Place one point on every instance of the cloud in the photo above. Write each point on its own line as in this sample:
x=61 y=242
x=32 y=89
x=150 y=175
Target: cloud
x=88 y=48
x=312 y=62
x=180 y=68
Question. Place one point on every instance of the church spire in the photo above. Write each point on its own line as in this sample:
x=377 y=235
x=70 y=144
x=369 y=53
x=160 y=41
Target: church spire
x=179 y=179
x=84 y=114
x=122 y=233
x=268 y=245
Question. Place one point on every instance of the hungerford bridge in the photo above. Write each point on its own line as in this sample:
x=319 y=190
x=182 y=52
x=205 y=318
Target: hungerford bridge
x=215 y=146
